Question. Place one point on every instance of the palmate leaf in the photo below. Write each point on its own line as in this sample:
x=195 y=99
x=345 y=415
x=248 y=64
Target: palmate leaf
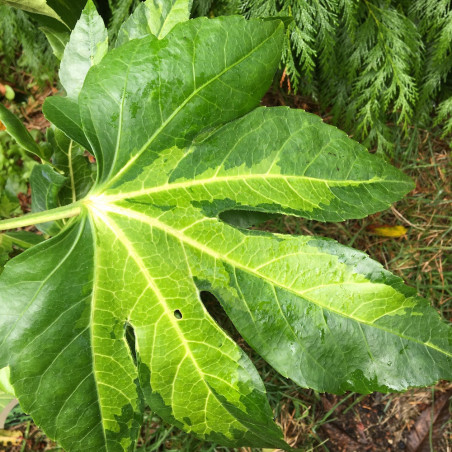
x=178 y=141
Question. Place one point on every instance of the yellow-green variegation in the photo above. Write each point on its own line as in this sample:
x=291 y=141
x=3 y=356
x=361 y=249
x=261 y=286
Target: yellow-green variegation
x=179 y=138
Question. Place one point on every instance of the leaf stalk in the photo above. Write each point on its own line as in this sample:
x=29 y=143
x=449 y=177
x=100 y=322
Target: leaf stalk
x=59 y=213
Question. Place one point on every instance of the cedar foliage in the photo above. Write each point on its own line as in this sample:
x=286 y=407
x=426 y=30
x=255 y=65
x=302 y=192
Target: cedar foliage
x=375 y=62
x=119 y=11
x=24 y=46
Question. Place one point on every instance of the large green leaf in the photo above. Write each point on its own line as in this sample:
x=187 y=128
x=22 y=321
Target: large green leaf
x=69 y=179
x=160 y=93
x=69 y=158
x=179 y=141
x=46 y=183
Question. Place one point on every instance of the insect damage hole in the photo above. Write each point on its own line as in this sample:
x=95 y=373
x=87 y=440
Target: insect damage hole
x=177 y=314
x=129 y=335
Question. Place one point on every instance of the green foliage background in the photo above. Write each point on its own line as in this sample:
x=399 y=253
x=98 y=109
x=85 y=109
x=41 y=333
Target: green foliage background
x=24 y=46
x=374 y=63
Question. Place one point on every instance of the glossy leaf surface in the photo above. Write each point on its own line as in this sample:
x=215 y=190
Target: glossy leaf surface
x=178 y=141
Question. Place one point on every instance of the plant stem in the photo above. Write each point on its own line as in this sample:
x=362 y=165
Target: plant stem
x=59 y=213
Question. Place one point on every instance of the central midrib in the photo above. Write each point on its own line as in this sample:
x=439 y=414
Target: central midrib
x=236 y=178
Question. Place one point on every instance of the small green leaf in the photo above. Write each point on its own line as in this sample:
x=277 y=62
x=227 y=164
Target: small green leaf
x=56 y=19
x=86 y=47
x=57 y=39
x=18 y=131
x=68 y=10
x=7 y=396
x=69 y=158
x=46 y=184
x=136 y=26
x=66 y=113
x=166 y=14
x=22 y=239
x=56 y=15
x=69 y=179
x=155 y=17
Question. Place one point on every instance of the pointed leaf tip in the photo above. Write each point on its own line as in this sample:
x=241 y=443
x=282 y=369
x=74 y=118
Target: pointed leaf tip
x=87 y=45
x=17 y=130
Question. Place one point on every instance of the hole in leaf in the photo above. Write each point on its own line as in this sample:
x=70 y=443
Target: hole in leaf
x=275 y=223
x=216 y=311
x=246 y=218
x=177 y=314
x=272 y=379
x=129 y=334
